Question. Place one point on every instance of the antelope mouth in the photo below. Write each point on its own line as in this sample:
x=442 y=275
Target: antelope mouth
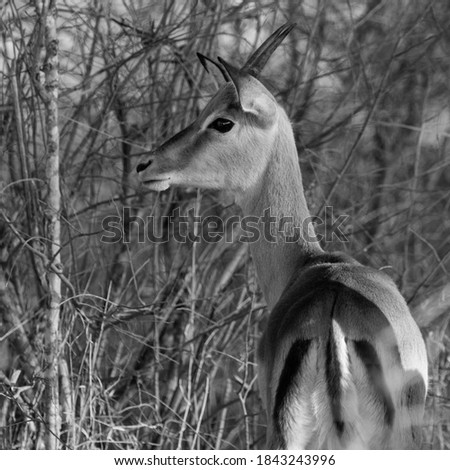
x=157 y=184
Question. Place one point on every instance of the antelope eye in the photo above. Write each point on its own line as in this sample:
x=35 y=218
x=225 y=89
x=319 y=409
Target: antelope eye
x=221 y=125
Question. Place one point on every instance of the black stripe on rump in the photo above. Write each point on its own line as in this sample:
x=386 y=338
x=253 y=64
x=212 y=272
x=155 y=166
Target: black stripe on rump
x=333 y=374
x=370 y=359
x=288 y=384
x=414 y=390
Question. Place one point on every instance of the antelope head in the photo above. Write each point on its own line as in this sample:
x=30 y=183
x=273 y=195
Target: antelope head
x=228 y=145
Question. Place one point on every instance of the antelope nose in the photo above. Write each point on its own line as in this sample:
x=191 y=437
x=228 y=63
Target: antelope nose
x=143 y=166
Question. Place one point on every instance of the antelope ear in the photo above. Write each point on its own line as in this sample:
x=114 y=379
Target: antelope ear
x=254 y=98
x=219 y=67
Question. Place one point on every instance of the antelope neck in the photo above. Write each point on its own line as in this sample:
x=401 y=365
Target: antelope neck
x=280 y=194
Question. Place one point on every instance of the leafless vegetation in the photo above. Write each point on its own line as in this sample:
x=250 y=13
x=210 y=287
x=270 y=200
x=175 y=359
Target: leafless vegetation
x=155 y=342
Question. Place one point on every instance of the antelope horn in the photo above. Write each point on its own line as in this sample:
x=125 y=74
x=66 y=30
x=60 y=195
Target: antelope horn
x=259 y=58
x=203 y=60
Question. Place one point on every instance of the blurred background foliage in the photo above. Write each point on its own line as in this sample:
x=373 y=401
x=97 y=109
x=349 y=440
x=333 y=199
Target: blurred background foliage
x=157 y=340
